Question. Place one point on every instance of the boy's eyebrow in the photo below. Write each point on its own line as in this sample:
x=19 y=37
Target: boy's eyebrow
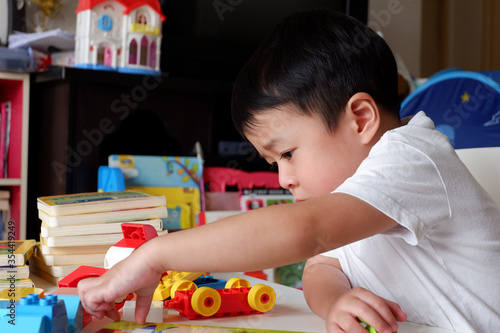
x=271 y=143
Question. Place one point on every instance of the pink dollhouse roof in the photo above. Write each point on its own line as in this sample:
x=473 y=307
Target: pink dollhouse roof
x=129 y=5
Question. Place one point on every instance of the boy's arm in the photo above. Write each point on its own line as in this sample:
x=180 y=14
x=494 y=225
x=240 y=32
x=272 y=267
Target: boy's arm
x=330 y=295
x=263 y=238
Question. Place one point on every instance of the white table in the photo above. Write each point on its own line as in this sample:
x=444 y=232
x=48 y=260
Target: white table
x=290 y=313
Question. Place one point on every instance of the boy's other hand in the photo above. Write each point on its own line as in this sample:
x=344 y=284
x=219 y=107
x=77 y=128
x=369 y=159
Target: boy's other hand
x=380 y=313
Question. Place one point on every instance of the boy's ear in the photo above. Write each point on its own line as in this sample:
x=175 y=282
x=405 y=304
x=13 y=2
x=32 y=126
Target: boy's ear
x=365 y=114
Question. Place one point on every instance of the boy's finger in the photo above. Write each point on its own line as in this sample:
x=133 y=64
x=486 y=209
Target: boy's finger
x=113 y=314
x=142 y=307
x=381 y=312
x=396 y=310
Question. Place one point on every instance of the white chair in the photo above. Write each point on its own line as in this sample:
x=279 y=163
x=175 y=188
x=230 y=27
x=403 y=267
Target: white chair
x=484 y=164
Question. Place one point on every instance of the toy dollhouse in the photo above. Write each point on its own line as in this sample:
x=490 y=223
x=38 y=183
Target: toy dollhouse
x=119 y=35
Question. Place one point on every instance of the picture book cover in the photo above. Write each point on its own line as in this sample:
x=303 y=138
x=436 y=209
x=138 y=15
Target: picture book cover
x=131 y=327
x=16 y=252
x=163 y=171
x=104 y=217
x=97 y=202
x=184 y=205
x=256 y=198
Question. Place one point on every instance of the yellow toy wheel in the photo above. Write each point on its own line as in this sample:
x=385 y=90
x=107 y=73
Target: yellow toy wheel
x=206 y=301
x=261 y=298
x=182 y=285
x=237 y=283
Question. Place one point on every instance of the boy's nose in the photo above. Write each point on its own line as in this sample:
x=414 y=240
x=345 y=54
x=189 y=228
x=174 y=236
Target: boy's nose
x=288 y=181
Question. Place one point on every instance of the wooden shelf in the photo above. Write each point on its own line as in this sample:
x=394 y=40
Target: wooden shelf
x=10 y=181
x=15 y=87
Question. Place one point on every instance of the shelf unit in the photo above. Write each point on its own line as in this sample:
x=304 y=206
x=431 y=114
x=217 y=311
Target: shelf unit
x=14 y=87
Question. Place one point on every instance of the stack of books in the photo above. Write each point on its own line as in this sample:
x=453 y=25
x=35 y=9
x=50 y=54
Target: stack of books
x=78 y=229
x=14 y=254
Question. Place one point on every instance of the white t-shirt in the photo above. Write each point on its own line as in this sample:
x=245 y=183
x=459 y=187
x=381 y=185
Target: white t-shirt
x=441 y=264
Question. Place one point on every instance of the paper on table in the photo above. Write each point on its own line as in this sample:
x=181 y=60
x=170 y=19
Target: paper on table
x=43 y=41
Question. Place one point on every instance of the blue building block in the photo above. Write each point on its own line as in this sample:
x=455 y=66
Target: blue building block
x=110 y=179
x=74 y=310
x=209 y=281
x=23 y=324
x=50 y=307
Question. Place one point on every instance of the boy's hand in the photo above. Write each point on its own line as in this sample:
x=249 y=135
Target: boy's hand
x=98 y=295
x=380 y=313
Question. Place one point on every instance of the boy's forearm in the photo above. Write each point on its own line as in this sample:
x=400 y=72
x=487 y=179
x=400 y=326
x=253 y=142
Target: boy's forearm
x=323 y=284
x=268 y=237
x=247 y=242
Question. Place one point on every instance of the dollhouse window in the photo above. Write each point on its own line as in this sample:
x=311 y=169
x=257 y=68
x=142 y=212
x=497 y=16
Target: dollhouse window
x=142 y=18
x=144 y=51
x=132 y=56
x=152 y=55
x=105 y=23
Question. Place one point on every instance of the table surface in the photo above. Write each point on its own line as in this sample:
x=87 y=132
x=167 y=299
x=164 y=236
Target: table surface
x=290 y=313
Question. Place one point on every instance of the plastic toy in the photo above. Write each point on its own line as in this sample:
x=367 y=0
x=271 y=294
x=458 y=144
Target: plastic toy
x=110 y=179
x=20 y=292
x=218 y=178
x=209 y=281
x=34 y=314
x=119 y=35
x=77 y=317
x=163 y=291
x=155 y=315
x=134 y=235
x=238 y=298
x=368 y=327
x=53 y=313
x=82 y=272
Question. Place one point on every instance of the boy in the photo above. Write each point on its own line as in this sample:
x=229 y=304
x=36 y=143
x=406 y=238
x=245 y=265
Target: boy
x=404 y=220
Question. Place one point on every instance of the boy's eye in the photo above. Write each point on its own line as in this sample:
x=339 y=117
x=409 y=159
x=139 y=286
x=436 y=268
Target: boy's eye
x=274 y=167
x=287 y=155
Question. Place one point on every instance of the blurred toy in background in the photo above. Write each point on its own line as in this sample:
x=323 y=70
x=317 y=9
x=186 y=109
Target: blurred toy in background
x=122 y=35
x=47 y=9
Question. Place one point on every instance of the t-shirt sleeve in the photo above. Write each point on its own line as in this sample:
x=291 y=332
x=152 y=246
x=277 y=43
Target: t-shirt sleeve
x=406 y=185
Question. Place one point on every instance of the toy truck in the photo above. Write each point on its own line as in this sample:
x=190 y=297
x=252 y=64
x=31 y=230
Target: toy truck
x=238 y=298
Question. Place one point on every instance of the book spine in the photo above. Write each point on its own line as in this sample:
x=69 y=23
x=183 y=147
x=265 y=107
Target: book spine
x=3 y=118
x=8 y=116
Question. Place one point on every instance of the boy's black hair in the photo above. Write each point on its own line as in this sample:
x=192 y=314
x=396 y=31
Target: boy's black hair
x=316 y=61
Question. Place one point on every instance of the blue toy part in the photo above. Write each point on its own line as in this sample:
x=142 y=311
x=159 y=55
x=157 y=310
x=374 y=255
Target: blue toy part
x=465 y=106
x=32 y=324
x=139 y=71
x=110 y=179
x=50 y=307
x=74 y=310
x=105 y=23
x=209 y=281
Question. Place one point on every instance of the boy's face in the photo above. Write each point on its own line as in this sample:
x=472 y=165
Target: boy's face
x=311 y=160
